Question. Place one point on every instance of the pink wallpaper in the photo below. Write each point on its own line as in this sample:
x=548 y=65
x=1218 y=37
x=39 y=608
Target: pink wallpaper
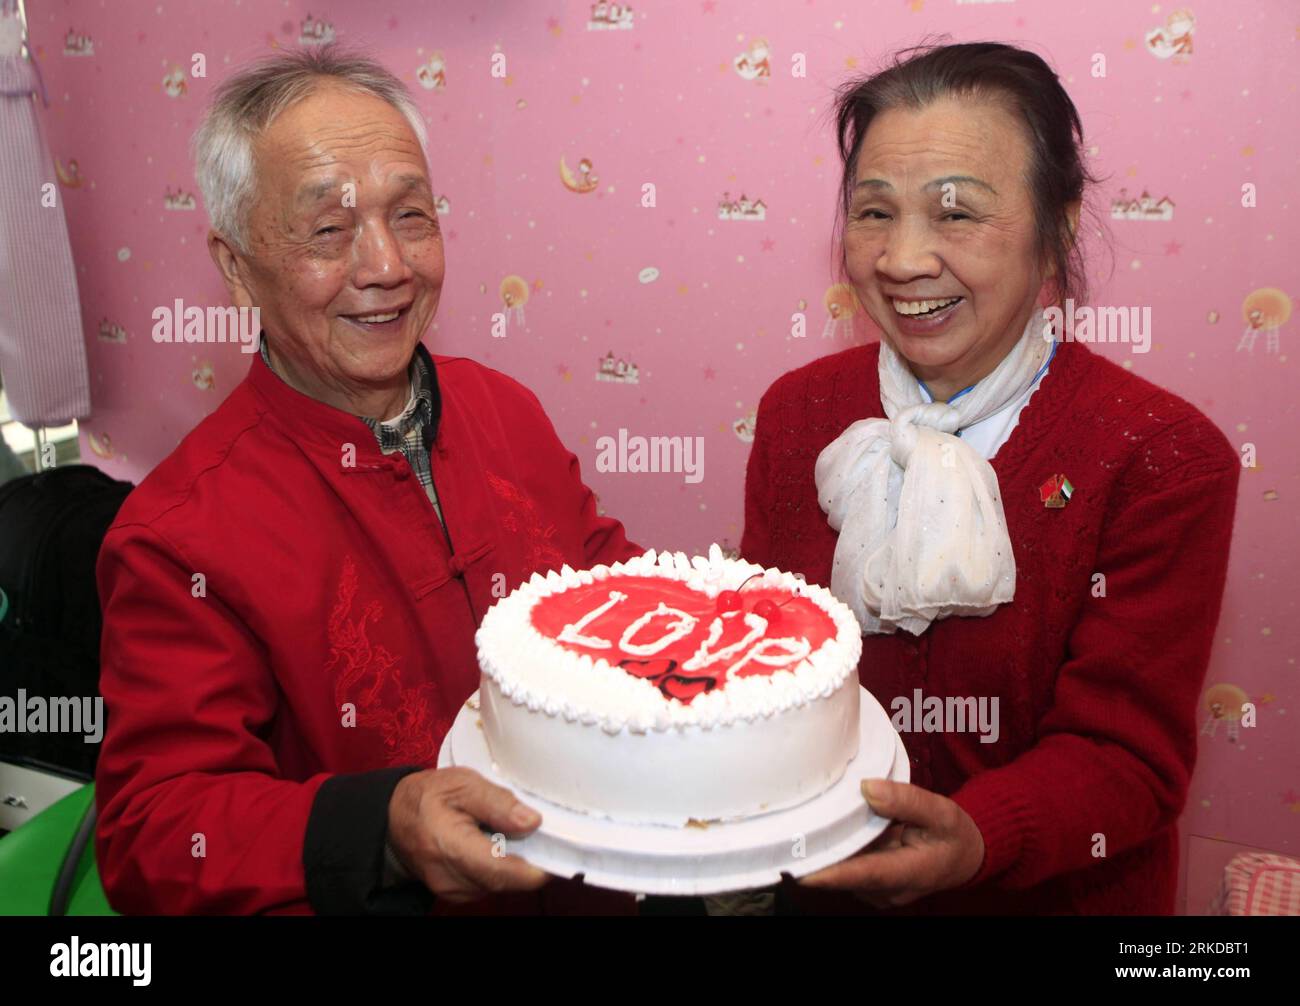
x=546 y=128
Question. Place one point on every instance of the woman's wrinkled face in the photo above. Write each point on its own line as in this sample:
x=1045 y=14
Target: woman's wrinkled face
x=345 y=258
x=940 y=238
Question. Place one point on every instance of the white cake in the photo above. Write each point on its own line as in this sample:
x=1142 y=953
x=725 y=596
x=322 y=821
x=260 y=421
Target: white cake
x=641 y=693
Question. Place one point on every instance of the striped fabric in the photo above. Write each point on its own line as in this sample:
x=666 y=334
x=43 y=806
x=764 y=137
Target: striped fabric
x=42 y=343
x=1259 y=883
x=411 y=431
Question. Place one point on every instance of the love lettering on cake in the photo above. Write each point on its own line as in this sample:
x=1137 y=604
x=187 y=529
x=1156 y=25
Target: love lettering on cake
x=682 y=640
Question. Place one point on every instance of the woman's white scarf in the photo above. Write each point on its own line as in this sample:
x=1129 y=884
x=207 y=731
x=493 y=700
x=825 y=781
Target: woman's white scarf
x=922 y=532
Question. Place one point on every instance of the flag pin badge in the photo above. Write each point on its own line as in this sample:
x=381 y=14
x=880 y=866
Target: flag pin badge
x=1056 y=492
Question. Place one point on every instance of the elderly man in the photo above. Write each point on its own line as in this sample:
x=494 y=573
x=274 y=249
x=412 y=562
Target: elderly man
x=290 y=598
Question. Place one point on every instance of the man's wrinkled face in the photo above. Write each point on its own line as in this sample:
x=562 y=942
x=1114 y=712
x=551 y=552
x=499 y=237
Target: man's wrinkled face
x=345 y=254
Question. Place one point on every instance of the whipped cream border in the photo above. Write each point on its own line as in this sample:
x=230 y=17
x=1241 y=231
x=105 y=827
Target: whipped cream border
x=533 y=670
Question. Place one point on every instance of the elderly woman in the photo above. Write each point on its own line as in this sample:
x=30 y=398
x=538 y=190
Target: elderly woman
x=1014 y=519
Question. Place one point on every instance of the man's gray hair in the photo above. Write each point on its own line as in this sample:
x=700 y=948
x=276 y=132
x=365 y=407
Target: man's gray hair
x=247 y=103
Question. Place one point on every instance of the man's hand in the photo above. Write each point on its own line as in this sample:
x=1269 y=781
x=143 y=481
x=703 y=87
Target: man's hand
x=933 y=845
x=433 y=827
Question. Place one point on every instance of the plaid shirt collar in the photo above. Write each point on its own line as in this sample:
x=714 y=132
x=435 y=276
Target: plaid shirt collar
x=422 y=412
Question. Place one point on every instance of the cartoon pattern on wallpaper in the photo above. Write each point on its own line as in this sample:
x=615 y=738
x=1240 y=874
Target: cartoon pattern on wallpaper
x=179 y=200
x=1173 y=39
x=109 y=332
x=432 y=73
x=755 y=63
x=841 y=303
x=78 y=43
x=315 y=31
x=1144 y=207
x=69 y=177
x=174 y=84
x=101 y=445
x=743 y=208
x=1224 y=703
x=514 y=295
x=1265 y=310
x=611 y=17
x=619 y=370
x=583 y=181
x=203 y=376
x=744 y=427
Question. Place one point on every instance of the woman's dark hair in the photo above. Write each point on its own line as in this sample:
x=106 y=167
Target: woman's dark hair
x=1024 y=84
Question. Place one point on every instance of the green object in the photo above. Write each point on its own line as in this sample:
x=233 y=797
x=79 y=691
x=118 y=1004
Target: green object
x=4 y=605
x=32 y=856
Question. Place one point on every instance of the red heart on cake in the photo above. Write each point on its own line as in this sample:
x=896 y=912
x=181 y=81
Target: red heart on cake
x=650 y=626
x=682 y=687
x=648 y=668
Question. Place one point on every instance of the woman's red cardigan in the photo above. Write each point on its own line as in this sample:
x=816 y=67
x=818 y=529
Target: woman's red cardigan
x=1098 y=663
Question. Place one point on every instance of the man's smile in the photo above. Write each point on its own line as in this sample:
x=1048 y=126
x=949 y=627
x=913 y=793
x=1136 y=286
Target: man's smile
x=386 y=320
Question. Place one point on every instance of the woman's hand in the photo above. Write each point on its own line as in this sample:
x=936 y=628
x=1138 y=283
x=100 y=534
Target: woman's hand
x=932 y=845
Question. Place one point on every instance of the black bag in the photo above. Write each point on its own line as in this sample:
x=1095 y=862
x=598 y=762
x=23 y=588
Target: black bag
x=51 y=527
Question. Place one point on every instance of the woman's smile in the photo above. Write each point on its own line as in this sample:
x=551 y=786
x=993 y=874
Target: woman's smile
x=926 y=317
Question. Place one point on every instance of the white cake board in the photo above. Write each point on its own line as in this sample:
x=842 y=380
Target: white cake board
x=712 y=859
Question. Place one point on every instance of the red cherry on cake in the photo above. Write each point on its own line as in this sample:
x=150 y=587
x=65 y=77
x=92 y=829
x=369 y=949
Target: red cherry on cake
x=729 y=600
x=769 y=610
